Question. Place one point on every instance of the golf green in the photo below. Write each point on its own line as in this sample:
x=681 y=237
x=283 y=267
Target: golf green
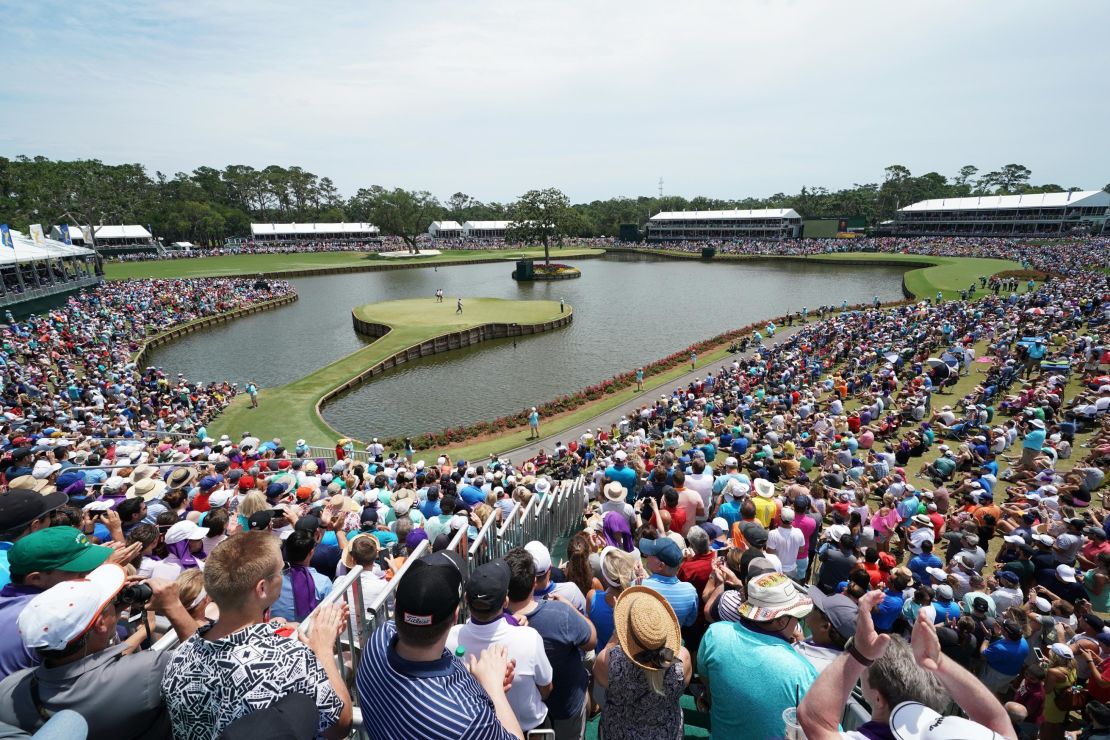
x=291 y=411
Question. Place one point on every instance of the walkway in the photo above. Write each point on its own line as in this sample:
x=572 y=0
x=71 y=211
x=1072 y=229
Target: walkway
x=607 y=418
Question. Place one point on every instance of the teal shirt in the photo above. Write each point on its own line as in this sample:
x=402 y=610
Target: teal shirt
x=752 y=678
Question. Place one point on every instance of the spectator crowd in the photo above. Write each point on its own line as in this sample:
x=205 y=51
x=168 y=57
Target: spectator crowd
x=887 y=522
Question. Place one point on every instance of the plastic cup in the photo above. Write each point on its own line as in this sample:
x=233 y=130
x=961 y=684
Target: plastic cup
x=791 y=729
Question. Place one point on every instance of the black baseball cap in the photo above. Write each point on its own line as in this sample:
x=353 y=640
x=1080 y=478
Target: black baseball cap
x=429 y=592
x=307 y=523
x=21 y=506
x=260 y=520
x=488 y=585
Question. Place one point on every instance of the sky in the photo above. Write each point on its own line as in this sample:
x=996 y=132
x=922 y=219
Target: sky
x=600 y=99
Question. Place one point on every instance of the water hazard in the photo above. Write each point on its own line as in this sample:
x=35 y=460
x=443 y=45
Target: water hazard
x=629 y=310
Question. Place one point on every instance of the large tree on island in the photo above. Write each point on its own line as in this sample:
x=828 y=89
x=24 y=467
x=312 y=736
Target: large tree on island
x=540 y=216
x=397 y=212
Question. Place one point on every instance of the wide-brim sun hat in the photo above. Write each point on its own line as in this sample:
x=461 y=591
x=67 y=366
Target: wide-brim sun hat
x=912 y=720
x=646 y=628
x=614 y=491
x=764 y=488
x=774 y=595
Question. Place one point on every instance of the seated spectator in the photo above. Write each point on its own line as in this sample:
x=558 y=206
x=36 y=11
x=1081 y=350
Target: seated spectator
x=210 y=681
x=72 y=627
x=644 y=670
x=405 y=664
x=751 y=663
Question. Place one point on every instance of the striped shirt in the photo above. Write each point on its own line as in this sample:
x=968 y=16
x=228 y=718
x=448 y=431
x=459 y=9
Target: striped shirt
x=682 y=596
x=435 y=700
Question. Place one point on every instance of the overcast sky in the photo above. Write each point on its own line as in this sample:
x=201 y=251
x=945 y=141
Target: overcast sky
x=599 y=98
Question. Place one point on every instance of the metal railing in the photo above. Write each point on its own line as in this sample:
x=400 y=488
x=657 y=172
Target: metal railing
x=555 y=515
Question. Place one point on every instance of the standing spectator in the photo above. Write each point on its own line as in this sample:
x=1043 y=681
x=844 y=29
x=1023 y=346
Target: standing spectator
x=242 y=662
x=21 y=513
x=541 y=556
x=566 y=634
x=643 y=670
x=487 y=595
x=302 y=587
x=751 y=665
x=1004 y=657
x=621 y=472
x=787 y=542
x=72 y=627
x=616 y=573
x=663 y=561
x=405 y=664
x=837 y=561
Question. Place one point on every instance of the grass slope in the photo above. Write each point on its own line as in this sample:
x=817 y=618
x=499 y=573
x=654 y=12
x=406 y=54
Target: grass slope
x=252 y=264
x=289 y=411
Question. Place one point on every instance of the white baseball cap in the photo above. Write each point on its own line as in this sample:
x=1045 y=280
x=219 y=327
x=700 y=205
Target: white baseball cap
x=620 y=455
x=541 y=555
x=912 y=720
x=65 y=612
x=185 y=530
x=1065 y=573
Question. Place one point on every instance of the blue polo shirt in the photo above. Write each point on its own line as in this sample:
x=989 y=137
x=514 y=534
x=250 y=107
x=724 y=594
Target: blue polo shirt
x=682 y=596
x=1007 y=656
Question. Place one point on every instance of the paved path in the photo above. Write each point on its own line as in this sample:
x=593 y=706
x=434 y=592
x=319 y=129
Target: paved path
x=605 y=419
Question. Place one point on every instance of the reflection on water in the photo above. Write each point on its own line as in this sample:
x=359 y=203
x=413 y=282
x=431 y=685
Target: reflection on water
x=628 y=310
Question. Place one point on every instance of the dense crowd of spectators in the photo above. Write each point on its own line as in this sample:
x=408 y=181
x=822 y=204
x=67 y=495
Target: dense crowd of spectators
x=756 y=538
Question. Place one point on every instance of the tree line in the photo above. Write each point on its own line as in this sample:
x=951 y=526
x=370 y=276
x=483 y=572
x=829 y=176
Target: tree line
x=208 y=205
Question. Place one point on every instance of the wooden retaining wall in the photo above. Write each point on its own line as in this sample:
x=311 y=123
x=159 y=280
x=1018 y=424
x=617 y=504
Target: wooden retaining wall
x=168 y=336
x=434 y=346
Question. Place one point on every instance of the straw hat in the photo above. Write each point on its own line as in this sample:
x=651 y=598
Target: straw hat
x=647 y=628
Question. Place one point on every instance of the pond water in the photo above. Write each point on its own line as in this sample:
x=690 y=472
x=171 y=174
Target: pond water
x=628 y=311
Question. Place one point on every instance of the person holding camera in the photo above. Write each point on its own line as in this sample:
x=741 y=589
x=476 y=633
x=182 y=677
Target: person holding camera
x=72 y=628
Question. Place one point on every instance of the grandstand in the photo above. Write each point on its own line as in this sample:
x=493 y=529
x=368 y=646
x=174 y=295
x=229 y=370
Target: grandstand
x=1048 y=214
x=763 y=223
x=485 y=229
x=315 y=232
x=445 y=230
x=42 y=268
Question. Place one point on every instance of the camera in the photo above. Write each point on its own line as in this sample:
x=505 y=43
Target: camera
x=135 y=593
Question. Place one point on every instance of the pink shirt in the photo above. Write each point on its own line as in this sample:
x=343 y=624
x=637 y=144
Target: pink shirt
x=807 y=526
x=689 y=501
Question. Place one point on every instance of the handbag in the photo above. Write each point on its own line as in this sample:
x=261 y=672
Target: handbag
x=1071 y=699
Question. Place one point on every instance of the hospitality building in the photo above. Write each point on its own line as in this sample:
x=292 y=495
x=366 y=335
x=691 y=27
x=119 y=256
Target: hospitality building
x=316 y=232
x=1078 y=213
x=34 y=270
x=759 y=223
x=485 y=229
x=445 y=230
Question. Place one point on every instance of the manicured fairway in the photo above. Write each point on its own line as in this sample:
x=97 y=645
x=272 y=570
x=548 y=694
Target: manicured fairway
x=289 y=411
x=252 y=264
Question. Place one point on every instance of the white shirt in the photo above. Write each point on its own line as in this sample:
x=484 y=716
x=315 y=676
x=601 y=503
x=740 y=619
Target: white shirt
x=1005 y=597
x=703 y=484
x=532 y=670
x=786 y=542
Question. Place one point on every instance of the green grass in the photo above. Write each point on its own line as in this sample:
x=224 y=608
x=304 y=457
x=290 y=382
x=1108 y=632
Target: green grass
x=289 y=411
x=252 y=264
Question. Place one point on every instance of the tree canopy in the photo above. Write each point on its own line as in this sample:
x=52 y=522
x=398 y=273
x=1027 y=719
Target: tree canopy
x=208 y=204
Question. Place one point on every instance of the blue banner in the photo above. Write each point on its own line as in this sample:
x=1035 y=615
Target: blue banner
x=6 y=237
x=64 y=230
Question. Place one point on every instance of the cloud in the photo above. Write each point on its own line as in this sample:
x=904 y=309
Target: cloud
x=725 y=99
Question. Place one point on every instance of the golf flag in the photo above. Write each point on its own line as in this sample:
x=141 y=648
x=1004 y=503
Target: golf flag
x=6 y=237
x=36 y=233
x=64 y=231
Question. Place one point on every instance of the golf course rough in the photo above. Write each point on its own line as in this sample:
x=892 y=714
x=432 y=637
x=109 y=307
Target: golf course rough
x=406 y=330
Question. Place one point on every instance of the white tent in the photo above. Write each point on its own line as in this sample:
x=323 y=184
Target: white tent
x=122 y=232
x=26 y=250
x=454 y=228
x=1077 y=199
x=308 y=230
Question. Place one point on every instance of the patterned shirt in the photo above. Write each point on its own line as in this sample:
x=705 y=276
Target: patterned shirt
x=211 y=683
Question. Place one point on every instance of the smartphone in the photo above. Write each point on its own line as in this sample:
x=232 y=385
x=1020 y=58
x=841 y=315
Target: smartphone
x=1037 y=652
